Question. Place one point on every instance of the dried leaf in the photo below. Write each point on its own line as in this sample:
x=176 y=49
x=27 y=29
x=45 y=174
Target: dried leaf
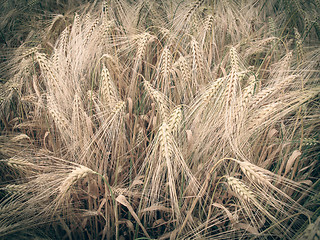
x=247 y=227
x=158 y=223
x=122 y=200
x=230 y=216
x=130 y=106
x=189 y=137
x=294 y=156
x=136 y=182
x=272 y=133
x=156 y=208
x=128 y=223
x=19 y=138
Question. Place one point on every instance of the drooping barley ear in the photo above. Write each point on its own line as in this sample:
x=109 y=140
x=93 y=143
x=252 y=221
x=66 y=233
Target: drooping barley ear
x=18 y=163
x=165 y=62
x=175 y=119
x=166 y=150
x=47 y=68
x=261 y=96
x=317 y=25
x=90 y=31
x=166 y=34
x=284 y=66
x=140 y=136
x=30 y=51
x=246 y=196
x=59 y=119
x=142 y=45
x=76 y=108
x=272 y=27
x=76 y=24
x=105 y=28
x=119 y=107
x=234 y=60
x=59 y=52
x=76 y=119
x=255 y=173
x=185 y=70
x=165 y=140
x=230 y=102
x=285 y=82
x=73 y=177
x=234 y=79
x=310 y=142
x=91 y=95
x=198 y=64
x=262 y=115
x=211 y=90
x=297 y=8
x=63 y=41
x=108 y=90
x=159 y=99
x=105 y=9
x=240 y=189
x=298 y=44
x=248 y=92
x=312 y=232
x=195 y=23
x=86 y=20
x=192 y=9
x=307 y=26
x=208 y=23
x=14 y=188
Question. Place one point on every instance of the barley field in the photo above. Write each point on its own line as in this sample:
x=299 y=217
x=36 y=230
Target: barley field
x=171 y=119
